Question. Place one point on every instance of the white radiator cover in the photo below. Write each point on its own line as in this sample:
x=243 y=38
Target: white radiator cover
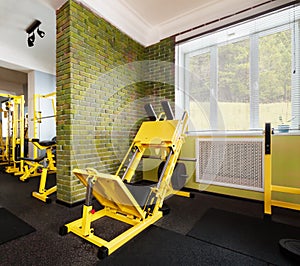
x=231 y=162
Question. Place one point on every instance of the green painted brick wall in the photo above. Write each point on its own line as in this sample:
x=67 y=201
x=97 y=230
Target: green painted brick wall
x=161 y=76
x=103 y=80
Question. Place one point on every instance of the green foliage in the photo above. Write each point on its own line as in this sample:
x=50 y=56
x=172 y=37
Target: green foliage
x=275 y=67
x=234 y=70
x=199 y=73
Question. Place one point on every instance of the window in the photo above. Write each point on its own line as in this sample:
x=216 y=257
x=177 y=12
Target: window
x=275 y=72
x=243 y=76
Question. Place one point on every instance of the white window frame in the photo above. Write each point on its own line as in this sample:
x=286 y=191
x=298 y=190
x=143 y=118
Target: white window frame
x=186 y=49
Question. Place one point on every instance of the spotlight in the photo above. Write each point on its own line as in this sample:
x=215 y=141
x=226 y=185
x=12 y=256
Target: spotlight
x=30 y=30
x=30 y=40
x=40 y=33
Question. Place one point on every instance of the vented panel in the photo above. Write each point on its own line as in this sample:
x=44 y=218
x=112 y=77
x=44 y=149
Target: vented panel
x=230 y=162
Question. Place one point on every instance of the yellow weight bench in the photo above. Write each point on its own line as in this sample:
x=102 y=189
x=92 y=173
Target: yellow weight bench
x=133 y=205
x=41 y=166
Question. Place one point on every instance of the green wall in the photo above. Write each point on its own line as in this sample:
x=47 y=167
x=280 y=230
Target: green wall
x=285 y=170
x=286 y=166
x=103 y=80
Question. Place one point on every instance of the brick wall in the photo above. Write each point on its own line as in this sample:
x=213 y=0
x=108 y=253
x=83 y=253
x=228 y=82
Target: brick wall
x=161 y=75
x=101 y=91
x=63 y=104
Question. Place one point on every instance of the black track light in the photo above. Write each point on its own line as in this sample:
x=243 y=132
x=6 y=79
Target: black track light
x=30 y=30
x=30 y=40
x=40 y=33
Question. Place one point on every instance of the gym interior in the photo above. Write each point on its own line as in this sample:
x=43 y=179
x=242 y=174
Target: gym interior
x=150 y=132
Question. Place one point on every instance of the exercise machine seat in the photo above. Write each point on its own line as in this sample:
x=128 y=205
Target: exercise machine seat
x=45 y=143
x=140 y=193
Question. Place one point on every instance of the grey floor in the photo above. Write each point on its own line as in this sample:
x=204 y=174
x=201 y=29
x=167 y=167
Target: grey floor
x=47 y=247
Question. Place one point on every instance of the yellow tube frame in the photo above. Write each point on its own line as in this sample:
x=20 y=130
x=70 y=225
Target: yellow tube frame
x=269 y=188
x=17 y=137
x=37 y=115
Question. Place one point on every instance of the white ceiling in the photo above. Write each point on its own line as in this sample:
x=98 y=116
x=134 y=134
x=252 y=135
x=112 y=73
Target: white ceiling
x=146 y=21
x=156 y=12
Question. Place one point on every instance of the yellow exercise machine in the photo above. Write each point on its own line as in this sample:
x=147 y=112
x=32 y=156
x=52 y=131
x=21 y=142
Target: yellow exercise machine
x=41 y=166
x=38 y=116
x=43 y=161
x=34 y=166
x=138 y=206
x=2 y=147
x=48 y=165
x=14 y=142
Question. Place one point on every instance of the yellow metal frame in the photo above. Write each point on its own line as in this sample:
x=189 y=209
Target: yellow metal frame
x=118 y=202
x=2 y=147
x=17 y=136
x=37 y=115
x=82 y=227
x=47 y=165
x=31 y=167
x=43 y=193
x=269 y=187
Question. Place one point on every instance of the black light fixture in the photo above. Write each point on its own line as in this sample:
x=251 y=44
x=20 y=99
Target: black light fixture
x=30 y=40
x=30 y=31
x=40 y=33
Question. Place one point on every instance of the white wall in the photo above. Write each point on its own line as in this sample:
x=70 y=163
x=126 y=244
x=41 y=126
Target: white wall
x=12 y=82
x=41 y=83
x=16 y=16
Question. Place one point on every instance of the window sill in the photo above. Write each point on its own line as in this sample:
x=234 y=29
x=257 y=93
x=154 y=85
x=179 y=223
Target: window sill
x=221 y=133
x=240 y=133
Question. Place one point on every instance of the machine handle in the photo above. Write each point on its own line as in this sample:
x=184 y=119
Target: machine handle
x=150 y=112
x=268 y=138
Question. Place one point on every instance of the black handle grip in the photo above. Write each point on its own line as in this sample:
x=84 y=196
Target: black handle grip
x=268 y=132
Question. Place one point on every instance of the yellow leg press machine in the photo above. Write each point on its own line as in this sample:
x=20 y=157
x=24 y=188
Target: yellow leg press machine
x=138 y=206
x=45 y=164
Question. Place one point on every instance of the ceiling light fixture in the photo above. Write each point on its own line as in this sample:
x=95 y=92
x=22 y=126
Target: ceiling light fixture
x=40 y=33
x=30 y=40
x=30 y=31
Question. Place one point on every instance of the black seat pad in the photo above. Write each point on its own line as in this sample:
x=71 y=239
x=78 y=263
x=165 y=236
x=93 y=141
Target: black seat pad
x=47 y=143
x=140 y=193
x=32 y=159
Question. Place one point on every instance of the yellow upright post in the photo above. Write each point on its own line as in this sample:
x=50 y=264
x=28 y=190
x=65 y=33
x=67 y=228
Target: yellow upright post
x=17 y=137
x=86 y=219
x=36 y=121
x=20 y=123
x=268 y=170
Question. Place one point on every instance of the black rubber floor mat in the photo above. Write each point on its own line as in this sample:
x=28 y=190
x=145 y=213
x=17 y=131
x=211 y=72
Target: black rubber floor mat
x=12 y=227
x=251 y=236
x=158 y=246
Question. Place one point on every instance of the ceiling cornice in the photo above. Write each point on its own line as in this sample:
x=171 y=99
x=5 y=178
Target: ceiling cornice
x=125 y=19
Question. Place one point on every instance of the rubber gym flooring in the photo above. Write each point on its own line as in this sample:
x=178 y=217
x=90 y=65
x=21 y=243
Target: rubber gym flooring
x=208 y=229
